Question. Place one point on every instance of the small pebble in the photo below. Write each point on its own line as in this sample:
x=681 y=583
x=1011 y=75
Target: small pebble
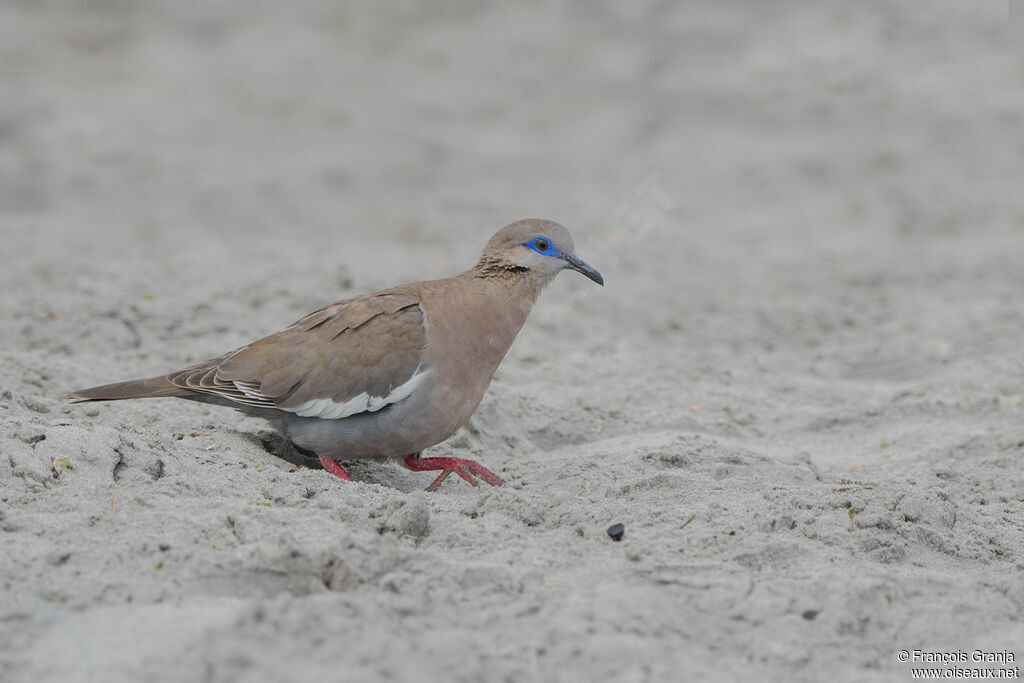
x=617 y=531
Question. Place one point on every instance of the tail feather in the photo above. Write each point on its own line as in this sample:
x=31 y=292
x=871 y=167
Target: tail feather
x=150 y=387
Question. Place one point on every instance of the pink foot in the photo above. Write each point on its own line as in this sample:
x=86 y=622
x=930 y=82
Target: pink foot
x=334 y=468
x=464 y=468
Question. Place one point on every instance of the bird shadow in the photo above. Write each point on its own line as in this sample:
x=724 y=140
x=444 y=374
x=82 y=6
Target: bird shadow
x=368 y=471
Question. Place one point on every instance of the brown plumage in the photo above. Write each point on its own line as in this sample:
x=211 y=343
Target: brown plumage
x=389 y=373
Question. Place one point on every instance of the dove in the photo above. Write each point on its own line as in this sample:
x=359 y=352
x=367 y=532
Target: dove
x=386 y=374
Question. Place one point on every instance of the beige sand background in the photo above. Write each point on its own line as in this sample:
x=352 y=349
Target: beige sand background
x=800 y=391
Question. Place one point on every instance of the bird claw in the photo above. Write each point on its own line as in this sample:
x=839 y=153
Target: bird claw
x=334 y=468
x=467 y=469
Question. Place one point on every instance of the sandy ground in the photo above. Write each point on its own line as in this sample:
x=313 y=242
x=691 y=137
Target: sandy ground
x=800 y=391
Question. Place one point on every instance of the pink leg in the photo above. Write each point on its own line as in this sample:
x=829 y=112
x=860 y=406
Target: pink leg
x=464 y=468
x=334 y=468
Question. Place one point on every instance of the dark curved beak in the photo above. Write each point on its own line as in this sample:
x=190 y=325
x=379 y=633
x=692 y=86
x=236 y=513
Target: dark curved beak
x=581 y=266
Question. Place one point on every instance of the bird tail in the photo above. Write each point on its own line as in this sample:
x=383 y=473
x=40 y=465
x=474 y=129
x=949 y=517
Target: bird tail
x=150 y=387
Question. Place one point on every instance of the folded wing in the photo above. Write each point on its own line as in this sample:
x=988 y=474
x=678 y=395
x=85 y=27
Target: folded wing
x=354 y=356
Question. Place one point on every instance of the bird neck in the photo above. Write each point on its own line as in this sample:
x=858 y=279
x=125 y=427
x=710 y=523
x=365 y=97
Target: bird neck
x=495 y=268
x=506 y=279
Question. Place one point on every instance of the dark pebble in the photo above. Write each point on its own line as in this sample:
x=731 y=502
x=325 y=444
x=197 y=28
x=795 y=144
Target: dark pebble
x=810 y=614
x=617 y=531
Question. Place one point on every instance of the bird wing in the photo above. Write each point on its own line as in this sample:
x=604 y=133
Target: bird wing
x=353 y=356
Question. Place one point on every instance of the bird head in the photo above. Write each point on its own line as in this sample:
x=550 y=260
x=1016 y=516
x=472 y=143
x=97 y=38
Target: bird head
x=541 y=247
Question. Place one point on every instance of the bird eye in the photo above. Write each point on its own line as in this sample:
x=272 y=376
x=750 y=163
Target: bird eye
x=543 y=246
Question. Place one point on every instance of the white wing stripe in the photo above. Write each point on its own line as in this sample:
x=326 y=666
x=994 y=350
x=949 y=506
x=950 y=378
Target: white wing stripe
x=328 y=409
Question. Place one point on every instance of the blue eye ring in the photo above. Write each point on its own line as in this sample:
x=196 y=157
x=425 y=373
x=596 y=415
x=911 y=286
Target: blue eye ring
x=543 y=246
